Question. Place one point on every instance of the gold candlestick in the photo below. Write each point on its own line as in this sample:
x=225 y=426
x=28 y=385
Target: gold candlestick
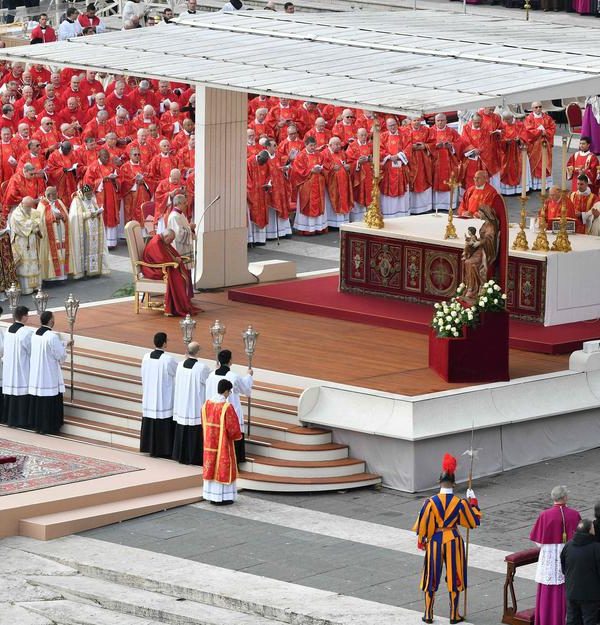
x=562 y=243
x=373 y=216
x=450 y=227
x=541 y=241
x=520 y=242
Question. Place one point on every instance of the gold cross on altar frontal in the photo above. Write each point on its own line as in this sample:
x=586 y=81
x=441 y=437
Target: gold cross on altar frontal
x=450 y=232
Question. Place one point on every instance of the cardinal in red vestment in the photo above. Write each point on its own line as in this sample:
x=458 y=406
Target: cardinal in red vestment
x=478 y=152
x=308 y=182
x=22 y=183
x=256 y=188
x=445 y=147
x=360 y=159
x=62 y=172
x=103 y=178
x=512 y=141
x=540 y=129
x=337 y=181
x=553 y=206
x=135 y=190
x=480 y=193
x=180 y=290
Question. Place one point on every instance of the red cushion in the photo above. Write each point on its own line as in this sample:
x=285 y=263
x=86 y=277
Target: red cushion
x=8 y=459
x=520 y=558
x=526 y=615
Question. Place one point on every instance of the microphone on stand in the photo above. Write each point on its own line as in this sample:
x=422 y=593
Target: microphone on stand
x=196 y=235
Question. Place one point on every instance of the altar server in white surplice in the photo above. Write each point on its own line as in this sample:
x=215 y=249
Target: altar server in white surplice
x=46 y=384
x=242 y=385
x=189 y=396
x=158 y=378
x=15 y=381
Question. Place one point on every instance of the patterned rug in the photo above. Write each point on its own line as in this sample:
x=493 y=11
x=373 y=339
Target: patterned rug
x=38 y=467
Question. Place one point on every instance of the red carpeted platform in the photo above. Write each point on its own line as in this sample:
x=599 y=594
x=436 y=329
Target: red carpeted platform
x=320 y=296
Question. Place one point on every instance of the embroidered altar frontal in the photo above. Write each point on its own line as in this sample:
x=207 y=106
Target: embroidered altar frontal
x=410 y=260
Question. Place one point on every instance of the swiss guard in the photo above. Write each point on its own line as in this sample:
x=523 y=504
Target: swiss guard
x=438 y=535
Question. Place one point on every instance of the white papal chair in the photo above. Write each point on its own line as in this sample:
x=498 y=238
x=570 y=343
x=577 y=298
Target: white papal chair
x=144 y=288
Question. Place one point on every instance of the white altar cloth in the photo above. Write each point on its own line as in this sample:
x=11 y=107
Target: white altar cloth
x=572 y=284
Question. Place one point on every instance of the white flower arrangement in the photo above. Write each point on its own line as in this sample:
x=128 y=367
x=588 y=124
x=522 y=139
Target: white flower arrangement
x=451 y=317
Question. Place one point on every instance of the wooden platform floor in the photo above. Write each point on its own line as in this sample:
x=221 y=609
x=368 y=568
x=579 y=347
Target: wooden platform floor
x=299 y=344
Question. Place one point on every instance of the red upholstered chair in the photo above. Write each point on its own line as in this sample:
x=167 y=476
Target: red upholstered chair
x=511 y=615
x=574 y=119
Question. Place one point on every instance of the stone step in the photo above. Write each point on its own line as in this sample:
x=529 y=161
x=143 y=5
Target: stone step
x=329 y=468
x=51 y=526
x=66 y=612
x=143 y=603
x=105 y=396
x=272 y=448
x=287 y=484
x=282 y=431
x=211 y=585
x=109 y=435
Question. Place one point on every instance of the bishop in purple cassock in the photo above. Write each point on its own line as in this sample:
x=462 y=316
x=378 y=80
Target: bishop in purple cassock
x=553 y=528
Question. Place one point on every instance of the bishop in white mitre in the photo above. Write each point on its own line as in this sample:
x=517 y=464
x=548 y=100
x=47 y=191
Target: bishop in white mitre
x=46 y=383
x=189 y=397
x=242 y=385
x=158 y=378
x=15 y=380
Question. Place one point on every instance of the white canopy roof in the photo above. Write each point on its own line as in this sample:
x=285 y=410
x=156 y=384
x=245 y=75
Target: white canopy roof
x=401 y=61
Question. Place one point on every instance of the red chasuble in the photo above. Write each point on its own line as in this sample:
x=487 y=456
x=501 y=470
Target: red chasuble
x=106 y=190
x=511 y=161
x=420 y=165
x=309 y=185
x=479 y=139
x=338 y=181
x=535 y=137
x=133 y=198
x=64 y=181
x=19 y=187
x=178 y=299
x=278 y=196
x=474 y=198
x=220 y=428
x=256 y=194
x=394 y=181
x=445 y=147
x=362 y=176
x=554 y=210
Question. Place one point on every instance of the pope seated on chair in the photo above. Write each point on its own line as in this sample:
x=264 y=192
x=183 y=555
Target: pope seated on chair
x=178 y=298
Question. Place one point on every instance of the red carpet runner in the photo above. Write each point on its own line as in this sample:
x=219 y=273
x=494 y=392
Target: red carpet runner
x=320 y=296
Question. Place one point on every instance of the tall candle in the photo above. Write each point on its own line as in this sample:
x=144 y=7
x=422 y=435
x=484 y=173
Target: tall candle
x=564 y=164
x=544 y=165
x=376 y=149
x=523 y=172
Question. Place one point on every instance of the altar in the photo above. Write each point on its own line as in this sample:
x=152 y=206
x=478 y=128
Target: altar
x=410 y=260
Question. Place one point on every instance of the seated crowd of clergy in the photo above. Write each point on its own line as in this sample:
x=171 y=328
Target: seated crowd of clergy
x=310 y=167
x=81 y=155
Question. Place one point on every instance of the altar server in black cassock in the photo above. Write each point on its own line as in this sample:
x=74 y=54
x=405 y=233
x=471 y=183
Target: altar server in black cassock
x=15 y=381
x=158 y=377
x=189 y=397
x=46 y=383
